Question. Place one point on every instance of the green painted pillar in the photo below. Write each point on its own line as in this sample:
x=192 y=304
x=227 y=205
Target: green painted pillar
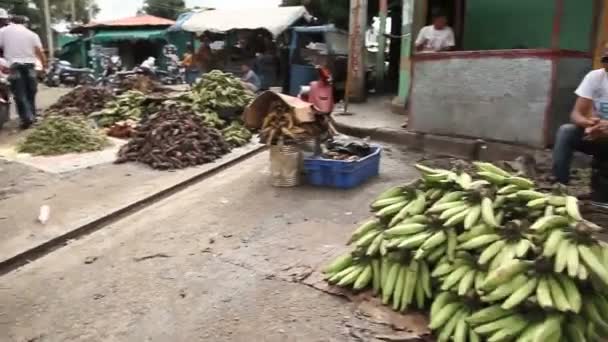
x=405 y=70
x=381 y=56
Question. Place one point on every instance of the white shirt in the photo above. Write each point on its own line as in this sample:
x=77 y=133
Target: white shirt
x=595 y=87
x=19 y=44
x=435 y=40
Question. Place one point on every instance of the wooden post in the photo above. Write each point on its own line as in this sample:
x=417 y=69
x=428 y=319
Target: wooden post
x=355 y=90
x=405 y=71
x=381 y=56
x=49 y=30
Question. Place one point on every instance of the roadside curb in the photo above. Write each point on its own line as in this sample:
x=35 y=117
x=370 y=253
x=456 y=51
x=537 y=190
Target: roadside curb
x=11 y=263
x=464 y=148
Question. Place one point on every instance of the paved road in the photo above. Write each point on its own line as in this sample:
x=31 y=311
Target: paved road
x=219 y=261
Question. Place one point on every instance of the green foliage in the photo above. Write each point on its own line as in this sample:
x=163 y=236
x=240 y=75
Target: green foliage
x=169 y=9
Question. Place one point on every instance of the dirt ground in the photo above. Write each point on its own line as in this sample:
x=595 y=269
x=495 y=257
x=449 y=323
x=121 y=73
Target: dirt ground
x=223 y=260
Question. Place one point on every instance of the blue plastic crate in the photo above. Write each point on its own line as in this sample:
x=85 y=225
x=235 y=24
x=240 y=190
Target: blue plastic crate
x=342 y=174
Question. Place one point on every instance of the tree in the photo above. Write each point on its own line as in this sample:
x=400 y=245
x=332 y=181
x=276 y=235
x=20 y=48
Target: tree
x=169 y=9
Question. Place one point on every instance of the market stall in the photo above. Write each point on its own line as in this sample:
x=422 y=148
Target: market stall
x=514 y=81
x=258 y=37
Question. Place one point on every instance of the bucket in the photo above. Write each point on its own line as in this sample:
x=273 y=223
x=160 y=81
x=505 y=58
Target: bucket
x=285 y=165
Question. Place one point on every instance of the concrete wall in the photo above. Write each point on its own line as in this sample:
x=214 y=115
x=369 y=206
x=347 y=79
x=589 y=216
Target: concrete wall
x=569 y=73
x=494 y=98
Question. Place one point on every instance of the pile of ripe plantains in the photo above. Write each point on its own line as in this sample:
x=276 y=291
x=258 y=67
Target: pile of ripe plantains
x=81 y=101
x=174 y=138
x=495 y=259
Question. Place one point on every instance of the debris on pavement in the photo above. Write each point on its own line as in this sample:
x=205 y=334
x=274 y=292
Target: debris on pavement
x=90 y=259
x=173 y=138
x=473 y=245
x=44 y=214
x=151 y=256
x=59 y=135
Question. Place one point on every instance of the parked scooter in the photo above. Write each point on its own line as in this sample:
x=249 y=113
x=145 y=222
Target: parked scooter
x=62 y=73
x=320 y=93
x=112 y=71
x=5 y=93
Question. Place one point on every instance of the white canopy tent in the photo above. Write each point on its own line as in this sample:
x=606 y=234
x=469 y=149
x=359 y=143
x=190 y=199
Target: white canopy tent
x=275 y=19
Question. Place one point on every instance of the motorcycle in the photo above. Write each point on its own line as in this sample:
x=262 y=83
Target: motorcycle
x=175 y=74
x=62 y=73
x=320 y=93
x=112 y=71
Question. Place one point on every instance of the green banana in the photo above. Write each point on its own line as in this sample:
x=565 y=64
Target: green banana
x=543 y=294
x=455 y=277
x=376 y=276
x=363 y=229
x=593 y=263
x=479 y=241
x=364 y=278
x=487 y=315
x=442 y=299
x=538 y=203
x=487 y=212
x=561 y=258
x=450 y=326
x=445 y=215
x=391 y=209
x=489 y=167
x=414 y=241
x=383 y=203
x=389 y=285
x=557 y=201
x=509 y=333
x=472 y=217
x=547 y=222
x=405 y=229
x=452 y=244
x=508 y=189
x=390 y=193
x=499 y=324
x=435 y=240
x=558 y=295
x=553 y=242
x=398 y=290
x=572 y=260
x=520 y=182
x=520 y=295
x=572 y=208
x=466 y=282
x=367 y=239
x=529 y=195
x=339 y=263
x=571 y=291
x=462 y=330
x=454 y=196
x=505 y=272
x=351 y=277
x=443 y=315
x=505 y=290
x=492 y=177
x=457 y=219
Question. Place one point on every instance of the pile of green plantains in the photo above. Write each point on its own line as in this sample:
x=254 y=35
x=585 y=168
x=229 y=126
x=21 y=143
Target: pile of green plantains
x=491 y=257
x=217 y=90
x=127 y=106
x=60 y=135
x=236 y=134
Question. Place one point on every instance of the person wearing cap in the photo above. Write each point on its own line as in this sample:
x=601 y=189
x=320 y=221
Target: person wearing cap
x=4 y=18
x=22 y=49
x=588 y=130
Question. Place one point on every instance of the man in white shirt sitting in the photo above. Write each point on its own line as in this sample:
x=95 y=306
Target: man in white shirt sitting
x=587 y=133
x=22 y=49
x=436 y=37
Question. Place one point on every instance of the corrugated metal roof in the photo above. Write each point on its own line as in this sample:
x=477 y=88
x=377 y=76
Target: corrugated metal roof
x=275 y=19
x=133 y=34
x=140 y=20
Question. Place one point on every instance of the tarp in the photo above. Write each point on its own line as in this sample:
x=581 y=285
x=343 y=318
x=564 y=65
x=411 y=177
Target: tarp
x=274 y=19
x=117 y=35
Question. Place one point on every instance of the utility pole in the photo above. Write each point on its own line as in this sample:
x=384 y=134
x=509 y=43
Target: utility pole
x=381 y=56
x=49 y=30
x=73 y=10
x=356 y=90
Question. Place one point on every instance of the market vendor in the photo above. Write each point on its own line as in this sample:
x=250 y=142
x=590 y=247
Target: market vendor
x=192 y=69
x=587 y=132
x=250 y=79
x=436 y=37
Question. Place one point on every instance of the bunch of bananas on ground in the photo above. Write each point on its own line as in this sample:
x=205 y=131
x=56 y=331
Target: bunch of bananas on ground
x=236 y=134
x=127 y=106
x=498 y=259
